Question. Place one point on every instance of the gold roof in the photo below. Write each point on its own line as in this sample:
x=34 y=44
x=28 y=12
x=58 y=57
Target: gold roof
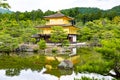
x=57 y=15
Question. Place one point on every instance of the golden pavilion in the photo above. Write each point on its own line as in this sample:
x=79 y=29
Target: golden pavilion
x=58 y=19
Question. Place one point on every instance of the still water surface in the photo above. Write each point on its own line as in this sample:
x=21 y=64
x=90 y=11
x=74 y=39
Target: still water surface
x=40 y=75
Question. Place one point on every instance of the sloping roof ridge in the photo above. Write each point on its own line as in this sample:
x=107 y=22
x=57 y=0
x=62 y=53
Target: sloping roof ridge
x=58 y=14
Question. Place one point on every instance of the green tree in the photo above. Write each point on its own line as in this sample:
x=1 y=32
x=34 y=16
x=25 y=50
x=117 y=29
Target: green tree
x=111 y=52
x=4 y=4
x=48 y=12
x=116 y=19
x=84 y=34
x=58 y=35
x=42 y=44
x=7 y=43
x=104 y=32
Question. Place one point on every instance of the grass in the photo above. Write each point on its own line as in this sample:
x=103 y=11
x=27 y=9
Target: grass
x=91 y=61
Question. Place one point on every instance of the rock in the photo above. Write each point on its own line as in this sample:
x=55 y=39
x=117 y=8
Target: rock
x=66 y=64
x=59 y=59
x=29 y=50
x=26 y=47
x=22 y=48
x=49 y=67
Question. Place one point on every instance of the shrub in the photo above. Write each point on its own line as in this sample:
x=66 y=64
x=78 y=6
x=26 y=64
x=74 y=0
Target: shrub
x=54 y=50
x=108 y=53
x=35 y=50
x=42 y=44
x=66 y=43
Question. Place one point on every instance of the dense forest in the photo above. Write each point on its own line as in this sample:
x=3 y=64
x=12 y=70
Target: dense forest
x=19 y=26
x=79 y=13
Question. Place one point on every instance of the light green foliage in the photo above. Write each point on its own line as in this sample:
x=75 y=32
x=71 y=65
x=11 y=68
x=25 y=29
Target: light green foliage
x=54 y=50
x=111 y=52
x=66 y=43
x=33 y=40
x=97 y=27
x=12 y=28
x=84 y=34
x=7 y=43
x=22 y=30
x=92 y=61
x=105 y=33
x=103 y=28
x=42 y=44
x=116 y=20
x=110 y=48
x=58 y=34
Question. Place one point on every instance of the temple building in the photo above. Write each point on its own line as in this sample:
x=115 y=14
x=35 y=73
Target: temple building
x=58 y=19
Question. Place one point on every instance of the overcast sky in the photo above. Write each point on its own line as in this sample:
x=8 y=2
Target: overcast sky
x=55 y=5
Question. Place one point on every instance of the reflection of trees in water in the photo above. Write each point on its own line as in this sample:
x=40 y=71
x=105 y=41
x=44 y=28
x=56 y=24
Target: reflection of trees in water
x=16 y=71
x=13 y=72
x=59 y=72
x=65 y=71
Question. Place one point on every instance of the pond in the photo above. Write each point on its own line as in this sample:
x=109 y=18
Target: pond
x=29 y=67
x=40 y=75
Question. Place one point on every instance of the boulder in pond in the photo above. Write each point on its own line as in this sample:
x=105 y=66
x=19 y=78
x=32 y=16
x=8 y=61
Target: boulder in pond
x=66 y=64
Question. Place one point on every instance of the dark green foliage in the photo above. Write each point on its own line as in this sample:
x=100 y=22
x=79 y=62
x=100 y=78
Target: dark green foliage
x=4 y=4
x=79 y=13
x=89 y=14
x=48 y=12
x=116 y=9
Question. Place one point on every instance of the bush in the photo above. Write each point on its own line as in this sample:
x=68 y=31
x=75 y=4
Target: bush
x=42 y=44
x=54 y=50
x=66 y=43
x=35 y=50
x=107 y=53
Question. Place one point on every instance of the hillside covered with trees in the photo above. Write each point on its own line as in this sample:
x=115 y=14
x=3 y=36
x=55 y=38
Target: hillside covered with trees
x=79 y=13
x=21 y=25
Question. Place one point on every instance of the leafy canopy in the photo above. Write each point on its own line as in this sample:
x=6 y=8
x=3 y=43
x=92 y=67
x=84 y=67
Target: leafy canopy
x=58 y=34
x=4 y=4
